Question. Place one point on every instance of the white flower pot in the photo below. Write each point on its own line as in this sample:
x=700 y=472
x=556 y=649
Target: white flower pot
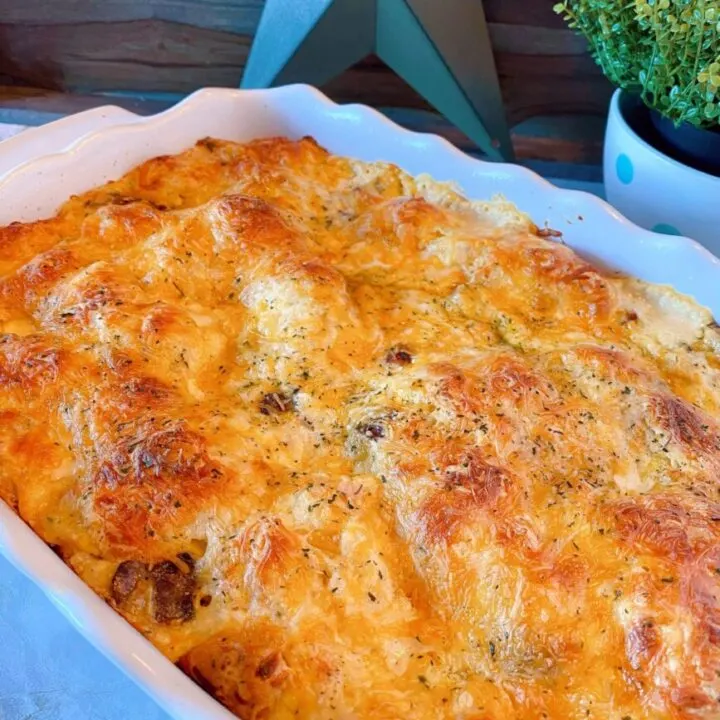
x=654 y=190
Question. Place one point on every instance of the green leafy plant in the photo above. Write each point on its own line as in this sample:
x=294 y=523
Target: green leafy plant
x=666 y=51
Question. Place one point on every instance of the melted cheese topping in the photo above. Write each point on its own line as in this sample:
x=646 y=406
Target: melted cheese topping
x=344 y=444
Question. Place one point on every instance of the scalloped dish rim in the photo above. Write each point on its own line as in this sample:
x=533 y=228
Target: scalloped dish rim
x=581 y=217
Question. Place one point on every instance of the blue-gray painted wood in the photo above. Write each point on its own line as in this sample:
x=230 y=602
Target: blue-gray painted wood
x=309 y=41
x=442 y=50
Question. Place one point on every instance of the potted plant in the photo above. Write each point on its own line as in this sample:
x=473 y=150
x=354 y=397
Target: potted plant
x=662 y=144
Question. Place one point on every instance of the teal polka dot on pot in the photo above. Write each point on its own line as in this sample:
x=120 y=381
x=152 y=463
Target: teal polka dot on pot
x=624 y=169
x=666 y=229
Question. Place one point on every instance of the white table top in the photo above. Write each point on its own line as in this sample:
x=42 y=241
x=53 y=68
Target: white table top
x=48 y=671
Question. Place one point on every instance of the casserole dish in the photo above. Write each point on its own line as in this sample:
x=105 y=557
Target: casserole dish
x=295 y=112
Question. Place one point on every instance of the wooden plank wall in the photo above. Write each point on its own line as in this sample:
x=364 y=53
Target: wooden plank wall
x=555 y=96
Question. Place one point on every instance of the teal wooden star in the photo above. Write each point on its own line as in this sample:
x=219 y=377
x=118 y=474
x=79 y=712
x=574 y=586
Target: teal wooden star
x=440 y=48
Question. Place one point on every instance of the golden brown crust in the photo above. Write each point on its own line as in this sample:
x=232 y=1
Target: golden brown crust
x=342 y=443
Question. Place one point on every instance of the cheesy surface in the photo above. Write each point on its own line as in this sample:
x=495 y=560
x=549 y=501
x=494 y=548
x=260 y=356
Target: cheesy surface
x=344 y=444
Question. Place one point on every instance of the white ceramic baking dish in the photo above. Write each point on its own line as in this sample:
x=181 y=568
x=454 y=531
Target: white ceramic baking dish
x=39 y=169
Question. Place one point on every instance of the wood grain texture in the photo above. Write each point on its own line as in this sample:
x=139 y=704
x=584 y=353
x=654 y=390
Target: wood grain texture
x=143 y=55
x=176 y=46
x=538 y=13
x=237 y=16
x=568 y=141
x=34 y=106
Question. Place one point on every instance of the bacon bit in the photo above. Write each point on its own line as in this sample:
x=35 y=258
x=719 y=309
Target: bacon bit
x=122 y=200
x=398 y=356
x=268 y=666
x=275 y=403
x=630 y=316
x=195 y=674
x=374 y=430
x=642 y=643
x=57 y=549
x=548 y=232
x=208 y=143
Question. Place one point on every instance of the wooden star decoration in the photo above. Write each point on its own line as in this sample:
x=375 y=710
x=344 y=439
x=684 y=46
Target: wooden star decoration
x=441 y=48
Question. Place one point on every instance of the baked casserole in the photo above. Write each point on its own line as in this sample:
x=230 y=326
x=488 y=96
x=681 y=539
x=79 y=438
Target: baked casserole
x=342 y=443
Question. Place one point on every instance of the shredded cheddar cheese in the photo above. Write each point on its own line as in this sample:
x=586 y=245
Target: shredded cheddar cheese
x=344 y=444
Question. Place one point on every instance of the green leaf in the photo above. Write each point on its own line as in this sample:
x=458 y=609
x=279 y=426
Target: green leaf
x=655 y=47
